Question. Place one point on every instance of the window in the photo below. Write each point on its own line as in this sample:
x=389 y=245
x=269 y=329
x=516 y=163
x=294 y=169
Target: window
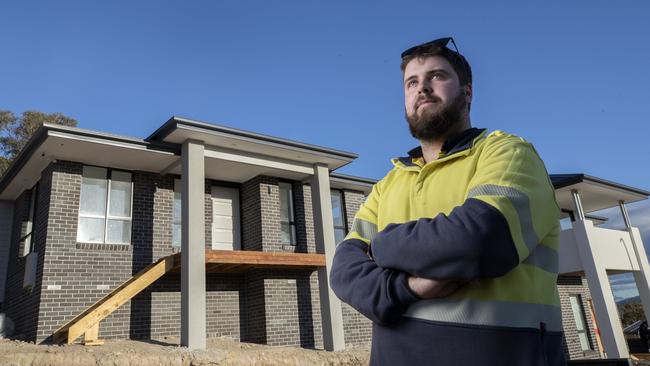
x=105 y=206
x=579 y=316
x=28 y=238
x=288 y=225
x=176 y=217
x=338 y=213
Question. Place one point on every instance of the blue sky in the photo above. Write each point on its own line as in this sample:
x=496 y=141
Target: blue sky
x=572 y=77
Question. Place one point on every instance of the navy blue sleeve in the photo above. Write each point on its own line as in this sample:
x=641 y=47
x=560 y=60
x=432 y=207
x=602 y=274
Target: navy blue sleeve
x=381 y=294
x=472 y=242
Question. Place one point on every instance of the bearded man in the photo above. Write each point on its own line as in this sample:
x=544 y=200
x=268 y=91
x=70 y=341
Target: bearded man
x=454 y=254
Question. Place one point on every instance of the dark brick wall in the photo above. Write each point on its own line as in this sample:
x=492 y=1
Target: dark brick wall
x=283 y=307
x=356 y=327
x=265 y=306
x=6 y=225
x=251 y=209
x=86 y=272
x=23 y=304
x=79 y=270
x=576 y=285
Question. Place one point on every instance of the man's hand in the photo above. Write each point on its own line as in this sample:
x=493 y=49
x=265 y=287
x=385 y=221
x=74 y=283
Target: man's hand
x=430 y=289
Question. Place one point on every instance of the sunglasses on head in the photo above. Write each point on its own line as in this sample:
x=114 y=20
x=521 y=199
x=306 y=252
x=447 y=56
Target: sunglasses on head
x=442 y=42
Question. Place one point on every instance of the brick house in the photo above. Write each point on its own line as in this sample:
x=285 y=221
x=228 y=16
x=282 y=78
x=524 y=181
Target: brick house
x=81 y=212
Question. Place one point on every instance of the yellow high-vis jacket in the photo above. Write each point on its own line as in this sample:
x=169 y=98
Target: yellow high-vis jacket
x=483 y=213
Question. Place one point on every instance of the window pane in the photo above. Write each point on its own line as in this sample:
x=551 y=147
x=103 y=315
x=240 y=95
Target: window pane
x=120 y=204
x=119 y=231
x=337 y=208
x=176 y=235
x=577 y=313
x=339 y=235
x=90 y=230
x=584 y=342
x=285 y=206
x=177 y=208
x=94 y=172
x=285 y=233
x=93 y=191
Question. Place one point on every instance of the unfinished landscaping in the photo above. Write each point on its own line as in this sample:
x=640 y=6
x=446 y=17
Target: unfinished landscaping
x=166 y=352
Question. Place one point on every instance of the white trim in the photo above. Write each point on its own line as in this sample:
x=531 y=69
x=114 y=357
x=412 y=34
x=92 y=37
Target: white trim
x=107 y=216
x=104 y=141
x=220 y=153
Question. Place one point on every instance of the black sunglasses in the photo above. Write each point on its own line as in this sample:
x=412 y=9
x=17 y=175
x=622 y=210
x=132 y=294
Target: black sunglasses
x=442 y=42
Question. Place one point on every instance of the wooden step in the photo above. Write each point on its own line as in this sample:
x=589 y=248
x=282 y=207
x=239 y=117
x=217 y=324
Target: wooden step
x=87 y=320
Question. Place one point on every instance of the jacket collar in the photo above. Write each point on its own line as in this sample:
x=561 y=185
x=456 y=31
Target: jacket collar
x=459 y=142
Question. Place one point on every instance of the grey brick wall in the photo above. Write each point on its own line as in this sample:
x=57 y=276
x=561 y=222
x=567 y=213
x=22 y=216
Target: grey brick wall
x=22 y=304
x=283 y=306
x=357 y=328
x=6 y=224
x=79 y=268
x=277 y=307
x=576 y=285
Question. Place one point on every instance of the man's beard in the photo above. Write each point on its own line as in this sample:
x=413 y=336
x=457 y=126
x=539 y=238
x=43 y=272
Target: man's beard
x=437 y=123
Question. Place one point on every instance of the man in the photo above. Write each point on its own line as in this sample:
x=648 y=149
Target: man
x=453 y=256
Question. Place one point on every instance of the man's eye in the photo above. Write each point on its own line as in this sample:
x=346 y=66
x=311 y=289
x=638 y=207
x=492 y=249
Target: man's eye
x=411 y=83
x=439 y=76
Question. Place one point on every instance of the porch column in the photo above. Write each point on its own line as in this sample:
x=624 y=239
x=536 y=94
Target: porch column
x=193 y=329
x=331 y=313
x=601 y=291
x=642 y=276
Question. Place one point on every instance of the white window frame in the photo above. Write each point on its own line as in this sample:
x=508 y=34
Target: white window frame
x=579 y=317
x=107 y=216
x=292 y=216
x=28 y=239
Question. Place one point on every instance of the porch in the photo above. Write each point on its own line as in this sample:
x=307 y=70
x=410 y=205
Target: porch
x=595 y=252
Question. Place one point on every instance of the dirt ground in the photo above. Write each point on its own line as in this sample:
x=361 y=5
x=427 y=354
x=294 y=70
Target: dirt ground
x=220 y=351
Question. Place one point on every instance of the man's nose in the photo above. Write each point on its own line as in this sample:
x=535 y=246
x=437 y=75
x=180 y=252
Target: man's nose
x=424 y=88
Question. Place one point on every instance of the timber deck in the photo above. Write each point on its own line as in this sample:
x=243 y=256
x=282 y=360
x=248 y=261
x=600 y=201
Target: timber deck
x=86 y=324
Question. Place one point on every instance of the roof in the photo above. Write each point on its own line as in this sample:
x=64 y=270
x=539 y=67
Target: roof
x=176 y=129
x=595 y=193
x=160 y=152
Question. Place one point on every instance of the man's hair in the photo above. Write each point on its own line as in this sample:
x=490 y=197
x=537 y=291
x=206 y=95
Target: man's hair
x=457 y=61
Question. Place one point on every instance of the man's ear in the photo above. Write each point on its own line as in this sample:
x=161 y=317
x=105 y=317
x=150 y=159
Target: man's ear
x=468 y=92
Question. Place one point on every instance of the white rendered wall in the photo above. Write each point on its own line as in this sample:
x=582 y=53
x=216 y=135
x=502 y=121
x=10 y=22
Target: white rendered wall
x=568 y=253
x=615 y=249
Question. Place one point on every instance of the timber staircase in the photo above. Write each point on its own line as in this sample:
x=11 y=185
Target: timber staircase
x=86 y=324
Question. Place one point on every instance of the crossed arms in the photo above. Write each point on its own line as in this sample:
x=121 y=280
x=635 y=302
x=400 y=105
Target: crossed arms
x=485 y=237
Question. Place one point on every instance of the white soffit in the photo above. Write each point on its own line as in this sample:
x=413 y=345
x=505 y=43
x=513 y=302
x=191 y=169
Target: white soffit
x=595 y=196
x=247 y=142
x=86 y=147
x=348 y=182
x=239 y=172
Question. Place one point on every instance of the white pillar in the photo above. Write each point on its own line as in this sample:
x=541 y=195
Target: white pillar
x=193 y=329
x=601 y=292
x=642 y=276
x=331 y=313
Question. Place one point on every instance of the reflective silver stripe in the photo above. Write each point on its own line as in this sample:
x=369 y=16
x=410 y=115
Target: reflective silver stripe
x=491 y=313
x=543 y=257
x=364 y=228
x=521 y=204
